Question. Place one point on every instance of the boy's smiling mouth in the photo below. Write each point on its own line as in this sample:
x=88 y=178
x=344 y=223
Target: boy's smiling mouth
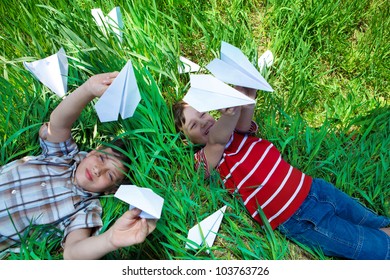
x=208 y=129
x=88 y=174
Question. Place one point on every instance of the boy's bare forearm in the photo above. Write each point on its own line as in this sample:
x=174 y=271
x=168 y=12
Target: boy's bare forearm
x=219 y=135
x=70 y=108
x=222 y=130
x=67 y=112
x=245 y=120
x=91 y=248
x=128 y=230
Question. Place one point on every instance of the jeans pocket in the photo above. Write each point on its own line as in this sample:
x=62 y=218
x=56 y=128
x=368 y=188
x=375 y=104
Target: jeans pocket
x=299 y=222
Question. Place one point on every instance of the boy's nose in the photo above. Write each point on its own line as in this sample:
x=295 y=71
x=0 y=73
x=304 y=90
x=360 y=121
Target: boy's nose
x=203 y=123
x=96 y=170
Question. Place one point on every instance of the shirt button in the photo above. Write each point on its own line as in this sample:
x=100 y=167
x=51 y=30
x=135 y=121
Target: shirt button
x=13 y=192
x=43 y=184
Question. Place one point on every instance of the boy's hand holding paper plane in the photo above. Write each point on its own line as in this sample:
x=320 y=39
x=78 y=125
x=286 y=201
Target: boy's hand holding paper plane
x=206 y=230
x=235 y=68
x=142 y=198
x=51 y=71
x=120 y=98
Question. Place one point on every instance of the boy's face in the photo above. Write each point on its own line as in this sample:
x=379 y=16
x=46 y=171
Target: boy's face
x=99 y=171
x=197 y=125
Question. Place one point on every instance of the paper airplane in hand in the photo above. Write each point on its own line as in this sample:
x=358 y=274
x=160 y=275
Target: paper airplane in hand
x=120 y=98
x=206 y=230
x=188 y=66
x=235 y=68
x=142 y=198
x=112 y=21
x=208 y=93
x=51 y=71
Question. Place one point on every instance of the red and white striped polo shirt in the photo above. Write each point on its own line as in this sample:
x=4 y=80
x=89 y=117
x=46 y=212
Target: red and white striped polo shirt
x=254 y=168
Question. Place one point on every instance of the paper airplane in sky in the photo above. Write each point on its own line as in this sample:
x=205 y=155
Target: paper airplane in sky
x=187 y=66
x=144 y=199
x=51 y=71
x=120 y=98
x=113 y=21
x=235 y=68
x=206 y=230
x=209 y=93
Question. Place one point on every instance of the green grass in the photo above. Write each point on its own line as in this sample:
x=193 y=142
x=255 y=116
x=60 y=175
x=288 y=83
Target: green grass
x=329 y=113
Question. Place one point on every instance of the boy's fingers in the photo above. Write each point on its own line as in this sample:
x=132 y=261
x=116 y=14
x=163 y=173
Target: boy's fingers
x=132 y=214
x=151 y=225
x=113 y=75
x=109 y=77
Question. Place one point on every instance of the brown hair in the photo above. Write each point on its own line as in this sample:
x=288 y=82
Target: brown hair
x=178 y=115
x=119 y=150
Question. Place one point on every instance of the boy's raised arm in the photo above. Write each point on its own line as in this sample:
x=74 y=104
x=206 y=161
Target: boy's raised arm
x=245 y=120
x=67 y=112
x=236 y=118
x=220 y=134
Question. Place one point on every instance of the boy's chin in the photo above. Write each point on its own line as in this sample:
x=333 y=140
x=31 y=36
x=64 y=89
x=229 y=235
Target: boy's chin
x=80 y=182
x=204 y=140
x=200 y=140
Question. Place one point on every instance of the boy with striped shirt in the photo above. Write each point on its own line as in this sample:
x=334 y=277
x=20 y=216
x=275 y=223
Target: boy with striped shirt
x=310 y=211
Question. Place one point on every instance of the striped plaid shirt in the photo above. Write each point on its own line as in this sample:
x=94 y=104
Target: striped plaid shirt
x=254 y=168
x=40 y=190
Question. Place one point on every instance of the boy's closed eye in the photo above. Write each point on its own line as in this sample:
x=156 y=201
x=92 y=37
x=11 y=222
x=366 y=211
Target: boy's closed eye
x=195 y=122
x=111 y=175
x=191 y=124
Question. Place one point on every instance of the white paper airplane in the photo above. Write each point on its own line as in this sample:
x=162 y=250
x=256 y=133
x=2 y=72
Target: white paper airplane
x=142 y=198
x=112 y=21
x=265 y=60
x=207 y=93
x=235 y=68
x=51 y=71
x=188 y=66
x=206 y=230
x=120 y=98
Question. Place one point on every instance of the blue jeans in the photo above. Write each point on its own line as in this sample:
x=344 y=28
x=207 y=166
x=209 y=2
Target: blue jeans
x=338 y=224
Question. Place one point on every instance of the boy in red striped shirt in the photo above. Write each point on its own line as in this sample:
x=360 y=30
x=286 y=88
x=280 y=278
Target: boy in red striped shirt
x=310 y=211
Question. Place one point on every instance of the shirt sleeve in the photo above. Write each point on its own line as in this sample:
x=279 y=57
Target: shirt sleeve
x=67 y=148
x=201 y=162
x=89 y=216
